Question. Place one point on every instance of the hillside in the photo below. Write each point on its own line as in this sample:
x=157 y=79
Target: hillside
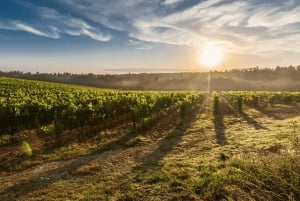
x=254 y=79
x=220 y=146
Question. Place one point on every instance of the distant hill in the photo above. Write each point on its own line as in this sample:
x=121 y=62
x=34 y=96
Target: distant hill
x=277 y=79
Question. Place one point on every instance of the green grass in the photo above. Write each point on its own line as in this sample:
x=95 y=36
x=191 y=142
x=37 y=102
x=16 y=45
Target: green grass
x=256 y=177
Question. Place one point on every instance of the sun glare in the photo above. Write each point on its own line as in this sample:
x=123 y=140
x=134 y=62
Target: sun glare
x=211 y=56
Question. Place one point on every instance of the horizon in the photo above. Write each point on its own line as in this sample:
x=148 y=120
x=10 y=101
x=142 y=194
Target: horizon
x=99 y=36
x=150 y=71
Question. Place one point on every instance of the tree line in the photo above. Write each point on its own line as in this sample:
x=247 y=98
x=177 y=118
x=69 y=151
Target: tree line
x=270 y=79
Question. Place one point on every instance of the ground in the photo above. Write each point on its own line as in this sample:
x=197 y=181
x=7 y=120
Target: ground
x=175 y=159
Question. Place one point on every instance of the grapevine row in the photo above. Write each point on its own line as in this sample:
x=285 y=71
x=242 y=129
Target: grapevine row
x=31 y=104
x=260 y=99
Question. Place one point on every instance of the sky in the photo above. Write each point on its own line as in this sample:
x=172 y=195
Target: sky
x=106 y=36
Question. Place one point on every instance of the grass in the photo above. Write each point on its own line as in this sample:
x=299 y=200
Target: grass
x=256 y=177
x=172 y=160
x=265 y=178
x=139 y=140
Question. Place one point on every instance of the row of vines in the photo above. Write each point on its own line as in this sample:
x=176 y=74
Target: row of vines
x=30 y=104
x=241 y=99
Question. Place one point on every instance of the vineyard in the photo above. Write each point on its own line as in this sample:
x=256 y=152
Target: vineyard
x=31 y=104
x=101 y=144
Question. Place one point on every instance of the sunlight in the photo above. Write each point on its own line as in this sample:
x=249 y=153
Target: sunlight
x=211 y=56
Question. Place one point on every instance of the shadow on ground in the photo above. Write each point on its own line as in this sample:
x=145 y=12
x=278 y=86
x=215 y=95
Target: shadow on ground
x=280 y=112
x=61 y=173
x=252 y=121
x=220 y=129
x=166 y=144
x=64 y=172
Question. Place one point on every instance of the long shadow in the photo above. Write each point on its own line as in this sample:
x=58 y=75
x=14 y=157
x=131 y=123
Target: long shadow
x=64 y=172
x=166 y=144
x=280 y=112
x=220 y=129
x=272 y=115
x=45 y=179
x=252 y=121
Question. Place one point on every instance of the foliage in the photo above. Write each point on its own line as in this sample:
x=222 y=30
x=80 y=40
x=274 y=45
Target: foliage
x=33 y=104
x=260 y=98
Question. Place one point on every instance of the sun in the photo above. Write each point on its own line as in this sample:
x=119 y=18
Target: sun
x=211 y=56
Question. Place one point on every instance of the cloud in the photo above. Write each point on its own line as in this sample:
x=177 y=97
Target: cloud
x=275 y=18
x=140 y=45
x=145 y=47
x=239 y=26
x=134 y=42
x=52 y=24
x=169 y=2
x=117 y=14
x=19 y=26
x=71 y=25
x=29 y=29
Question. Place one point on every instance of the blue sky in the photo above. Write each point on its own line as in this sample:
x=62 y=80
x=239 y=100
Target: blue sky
x=141 y=35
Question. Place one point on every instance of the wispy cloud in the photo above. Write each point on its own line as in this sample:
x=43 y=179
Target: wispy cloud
x=169 y=2
x=140 y=45
x=71 y=25
x=240 y=26
x=19 y=26
x=52 y=24
x=24 y=27
x=134 y=42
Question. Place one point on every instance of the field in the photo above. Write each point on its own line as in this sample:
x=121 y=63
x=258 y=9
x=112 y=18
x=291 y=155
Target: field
x=67 y=142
